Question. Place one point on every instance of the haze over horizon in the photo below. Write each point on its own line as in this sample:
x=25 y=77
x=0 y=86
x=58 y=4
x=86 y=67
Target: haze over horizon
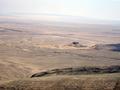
x=96 y=9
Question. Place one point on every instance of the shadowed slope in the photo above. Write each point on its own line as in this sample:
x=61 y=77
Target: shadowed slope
x=79 y=71
x=112 y=47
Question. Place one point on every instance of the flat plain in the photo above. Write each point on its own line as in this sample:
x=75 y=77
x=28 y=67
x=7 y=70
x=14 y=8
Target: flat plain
x=29 y=47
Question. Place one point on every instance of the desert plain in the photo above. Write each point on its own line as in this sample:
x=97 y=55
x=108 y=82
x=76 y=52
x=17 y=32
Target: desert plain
x=59 y=55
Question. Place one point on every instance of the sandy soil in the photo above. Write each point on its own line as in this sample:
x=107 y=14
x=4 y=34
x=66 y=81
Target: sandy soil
x=30 y=47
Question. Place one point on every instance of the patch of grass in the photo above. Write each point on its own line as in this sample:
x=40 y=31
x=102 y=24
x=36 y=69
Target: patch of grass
x=66 y=82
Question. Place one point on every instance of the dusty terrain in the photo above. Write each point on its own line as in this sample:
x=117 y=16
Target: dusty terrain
x=29 y=47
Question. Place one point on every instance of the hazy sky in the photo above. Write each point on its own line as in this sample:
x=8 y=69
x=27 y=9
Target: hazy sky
x=100 y=9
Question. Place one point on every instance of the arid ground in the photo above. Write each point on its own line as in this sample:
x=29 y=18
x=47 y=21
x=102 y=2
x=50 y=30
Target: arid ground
x=30 y=47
